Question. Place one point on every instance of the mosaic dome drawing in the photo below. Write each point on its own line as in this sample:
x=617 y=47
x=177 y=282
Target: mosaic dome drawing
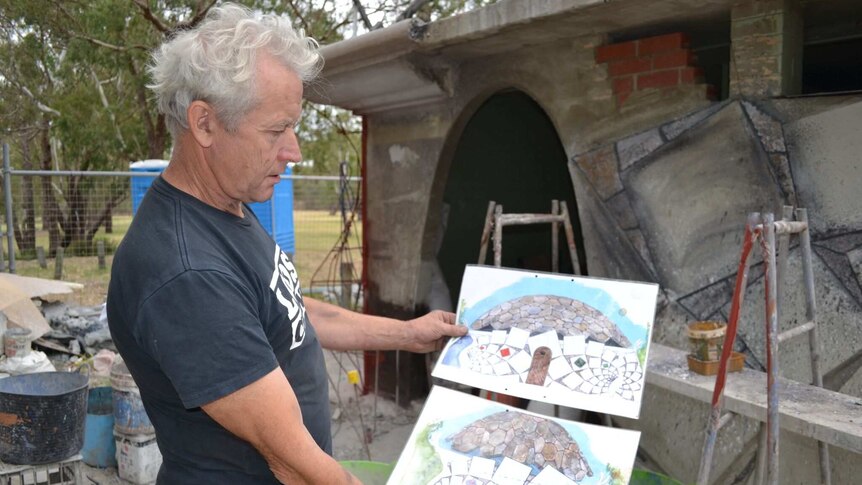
x=530 y=440
x=538 y=313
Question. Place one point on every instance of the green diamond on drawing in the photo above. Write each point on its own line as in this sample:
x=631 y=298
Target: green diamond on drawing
x=580 y=362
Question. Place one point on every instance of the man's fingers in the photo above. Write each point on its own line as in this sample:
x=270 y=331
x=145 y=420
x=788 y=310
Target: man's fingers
x=455 y=330
x=447 y=317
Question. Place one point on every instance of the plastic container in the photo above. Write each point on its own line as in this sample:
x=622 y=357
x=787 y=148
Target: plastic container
x=646 y=477
x=43 y=417
x=141 y=183
x=130 y=417
x=369 y=472
x=275 y=215
x=706 y=339
x=99 y=447
x=138 y=457
x=16 y=342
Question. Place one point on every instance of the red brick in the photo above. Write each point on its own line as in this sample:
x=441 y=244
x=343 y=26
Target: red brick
x=624 y=84
x=615 y=52
x=660 y=79
x=662 y=43
x=629 y=66
x=674 y=58
x=690 y=75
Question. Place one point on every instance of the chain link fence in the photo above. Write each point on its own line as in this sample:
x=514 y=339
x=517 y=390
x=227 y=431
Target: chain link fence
x=83 y=216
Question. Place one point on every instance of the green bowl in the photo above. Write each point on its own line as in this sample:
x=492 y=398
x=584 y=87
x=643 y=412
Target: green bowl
x=369 y=472
x=645 y=477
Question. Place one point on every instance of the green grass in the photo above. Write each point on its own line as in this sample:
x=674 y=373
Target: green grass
x=316 y=233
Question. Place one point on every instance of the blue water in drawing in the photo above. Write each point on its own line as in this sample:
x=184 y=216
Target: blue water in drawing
x=452 y=425
x=451 y=357
x=595 y=297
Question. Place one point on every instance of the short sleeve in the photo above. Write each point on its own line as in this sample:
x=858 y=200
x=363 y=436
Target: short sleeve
x=204 y=330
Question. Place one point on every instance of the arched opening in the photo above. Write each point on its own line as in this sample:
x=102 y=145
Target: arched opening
x=508 y=152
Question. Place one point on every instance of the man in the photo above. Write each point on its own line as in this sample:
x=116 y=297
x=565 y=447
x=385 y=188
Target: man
x=203 y=306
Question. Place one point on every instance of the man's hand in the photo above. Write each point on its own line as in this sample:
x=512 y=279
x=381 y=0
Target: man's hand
x=430 y=332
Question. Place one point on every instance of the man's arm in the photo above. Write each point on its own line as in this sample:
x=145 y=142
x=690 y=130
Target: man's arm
x=266 y=414
x=341 y=329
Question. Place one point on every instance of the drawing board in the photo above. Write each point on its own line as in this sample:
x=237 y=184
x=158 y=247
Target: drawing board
x=460 y=439
x=568 y=340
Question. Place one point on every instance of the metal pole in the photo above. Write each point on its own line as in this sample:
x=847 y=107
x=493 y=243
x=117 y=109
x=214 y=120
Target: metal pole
x=738 y=296
x=772 y=418
x=555 y=241
x=7 y=190
x=783 y=250
x=813 y=337
x=498 y=236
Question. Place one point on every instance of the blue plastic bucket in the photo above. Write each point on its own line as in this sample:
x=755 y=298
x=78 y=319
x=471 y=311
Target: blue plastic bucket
x=99 y=447
x=130 y=417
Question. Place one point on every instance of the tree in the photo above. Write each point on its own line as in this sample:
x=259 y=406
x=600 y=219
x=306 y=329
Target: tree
x=73 y=79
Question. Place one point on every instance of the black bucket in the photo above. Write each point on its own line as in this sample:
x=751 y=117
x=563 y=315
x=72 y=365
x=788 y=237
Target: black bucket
x=42 y=417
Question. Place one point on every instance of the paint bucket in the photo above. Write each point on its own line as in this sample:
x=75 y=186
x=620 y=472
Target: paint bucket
x=138 y=458
x=99 y=446
x=705 y=339
x=130 y=417
x=16 y=342
x=369 y=472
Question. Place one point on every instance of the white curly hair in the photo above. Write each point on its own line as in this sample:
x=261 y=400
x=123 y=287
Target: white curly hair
x=215 y=62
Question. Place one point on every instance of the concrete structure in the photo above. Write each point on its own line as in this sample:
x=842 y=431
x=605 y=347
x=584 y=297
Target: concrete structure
x=661 y=124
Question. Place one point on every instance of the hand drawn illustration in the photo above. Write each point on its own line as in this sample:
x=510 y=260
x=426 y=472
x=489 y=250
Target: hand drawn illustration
x=460 y=439
x=568 y=340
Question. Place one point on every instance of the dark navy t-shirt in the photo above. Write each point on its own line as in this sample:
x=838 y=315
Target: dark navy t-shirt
x=202 y=303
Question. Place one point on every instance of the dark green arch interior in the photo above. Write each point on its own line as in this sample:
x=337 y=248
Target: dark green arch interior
x=509 y=152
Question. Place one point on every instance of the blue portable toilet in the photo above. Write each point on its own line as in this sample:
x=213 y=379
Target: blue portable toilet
x=140 y=184
x=275 y=215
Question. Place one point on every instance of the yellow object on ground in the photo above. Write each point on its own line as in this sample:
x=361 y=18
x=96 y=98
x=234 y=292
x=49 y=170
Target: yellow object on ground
x=353 y=377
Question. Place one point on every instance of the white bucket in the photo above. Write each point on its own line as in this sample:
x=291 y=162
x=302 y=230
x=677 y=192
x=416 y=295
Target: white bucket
x=138 y=457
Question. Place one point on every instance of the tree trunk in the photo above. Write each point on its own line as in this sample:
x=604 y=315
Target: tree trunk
x=76 y=220
x=50 y=210
x=25 y=231
x=109 y=221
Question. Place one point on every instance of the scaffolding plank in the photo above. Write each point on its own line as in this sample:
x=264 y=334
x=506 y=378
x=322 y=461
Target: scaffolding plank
x=810 y=411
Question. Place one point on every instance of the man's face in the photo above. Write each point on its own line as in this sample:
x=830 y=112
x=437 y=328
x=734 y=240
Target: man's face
x=248 y=162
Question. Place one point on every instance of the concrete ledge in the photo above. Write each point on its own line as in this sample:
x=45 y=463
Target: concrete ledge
x=810 y=411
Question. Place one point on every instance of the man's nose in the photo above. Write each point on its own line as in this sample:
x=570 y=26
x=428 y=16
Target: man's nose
x=290 y=152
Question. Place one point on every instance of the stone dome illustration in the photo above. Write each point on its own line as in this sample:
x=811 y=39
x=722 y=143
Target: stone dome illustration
x=538 y=313
x=531 y=440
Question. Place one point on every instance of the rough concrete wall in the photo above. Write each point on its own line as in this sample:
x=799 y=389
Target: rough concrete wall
x=399 y=175
x=663 y=183
x=409 y=151
x=688 y=185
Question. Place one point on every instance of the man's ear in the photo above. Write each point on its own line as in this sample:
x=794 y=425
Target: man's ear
x=202 y=121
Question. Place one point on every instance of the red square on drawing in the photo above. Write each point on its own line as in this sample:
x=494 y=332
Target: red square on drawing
x=505 y=352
